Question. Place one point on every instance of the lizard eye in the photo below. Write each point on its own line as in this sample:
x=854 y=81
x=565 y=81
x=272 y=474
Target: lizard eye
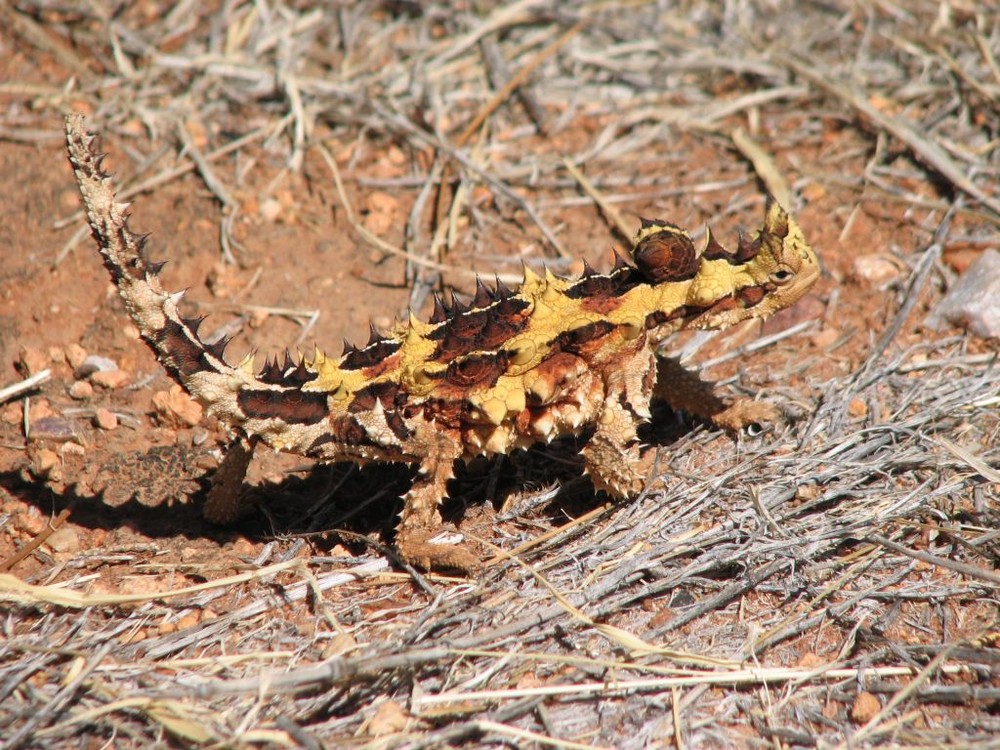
x=783 y=275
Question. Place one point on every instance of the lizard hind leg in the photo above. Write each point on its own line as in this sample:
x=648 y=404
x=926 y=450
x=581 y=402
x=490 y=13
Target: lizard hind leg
x=222 y=505
x=420 y=520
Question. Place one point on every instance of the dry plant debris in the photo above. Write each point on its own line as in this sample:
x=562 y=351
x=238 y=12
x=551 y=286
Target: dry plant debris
x=834 y=584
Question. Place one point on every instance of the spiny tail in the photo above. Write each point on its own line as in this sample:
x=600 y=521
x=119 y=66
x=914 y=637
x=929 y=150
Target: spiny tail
x=197 y=366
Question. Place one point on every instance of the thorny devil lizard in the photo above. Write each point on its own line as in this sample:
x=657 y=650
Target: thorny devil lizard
x=555 y=358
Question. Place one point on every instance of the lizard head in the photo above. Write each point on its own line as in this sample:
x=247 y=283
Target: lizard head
x=715 y=288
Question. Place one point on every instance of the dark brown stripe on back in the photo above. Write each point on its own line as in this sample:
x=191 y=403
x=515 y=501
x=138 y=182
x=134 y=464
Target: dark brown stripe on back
x=613 y=284
x=575 y=340
x=290 y=406
x=479 y=330
x=384 y=390
x=658 y=317
x=476 y=369
x=358 y=359
x=349 y=430
x=178 y=351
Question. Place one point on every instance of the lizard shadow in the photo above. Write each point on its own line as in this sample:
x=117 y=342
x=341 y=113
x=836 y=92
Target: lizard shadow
x=341 y=503
x=366 y=500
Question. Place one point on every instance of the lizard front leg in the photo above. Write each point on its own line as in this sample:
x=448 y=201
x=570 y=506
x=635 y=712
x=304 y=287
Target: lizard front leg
x=421 y=520
x=682 y=389
x=612 y=456
x=223 y=502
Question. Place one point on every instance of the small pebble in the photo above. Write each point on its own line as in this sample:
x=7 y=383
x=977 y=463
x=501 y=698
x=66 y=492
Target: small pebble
x=177 y=408
x=258 y=318
x=866 y=707
x=33 y=360
x=110 y=378
x=270 y=210
x=72 y=449
x=75 y=355
x=961 y=259
x=53 y=428
x=31 y=521
x=973 y=302
x=45 y=461
x=810 y=660
x=131 y=637
x=382 y=212
x=64 y=539
x=244 y=548
x=81 y=390
x=857 y=408
x=187 y=621
x=40 y=408
x=389 y=718
x=875 y=268
x=824 y=338
x=105 y=419
x=94 y=363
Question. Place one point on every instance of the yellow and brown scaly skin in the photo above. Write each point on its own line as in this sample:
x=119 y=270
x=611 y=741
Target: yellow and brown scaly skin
x=554 y=358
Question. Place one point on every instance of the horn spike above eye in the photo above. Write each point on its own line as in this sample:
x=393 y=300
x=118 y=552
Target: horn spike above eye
x=588 y=270
x=746 y=248
x=775 y=219
x=349 y=348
